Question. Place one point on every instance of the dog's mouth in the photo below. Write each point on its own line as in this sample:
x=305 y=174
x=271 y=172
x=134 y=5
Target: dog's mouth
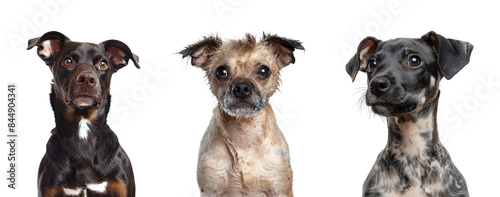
x=392 y=109
x=83 y=100
x=241 y=107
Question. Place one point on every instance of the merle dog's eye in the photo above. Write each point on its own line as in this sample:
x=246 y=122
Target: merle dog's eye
x=67 y=61
x=103 y=64
x=372 y=64
x=414 y=61
x=221 y=72
x=263 y=72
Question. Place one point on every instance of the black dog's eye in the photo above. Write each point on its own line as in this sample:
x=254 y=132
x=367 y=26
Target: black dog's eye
x=263 y=72
x=103 y=64
x=414 y=61
x=67 y=61
x=221 y=72
x=372 y=64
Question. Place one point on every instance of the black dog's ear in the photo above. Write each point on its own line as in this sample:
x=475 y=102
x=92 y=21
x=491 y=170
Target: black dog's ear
x=359 y=62
x=119 y=53
x=48 y=45
x=452 y=54
x=202 y=50
x=282 y=48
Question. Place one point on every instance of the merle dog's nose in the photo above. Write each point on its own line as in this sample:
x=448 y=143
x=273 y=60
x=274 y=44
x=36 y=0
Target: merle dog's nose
x=86 y=79
x=241 y=90
x=379 y=85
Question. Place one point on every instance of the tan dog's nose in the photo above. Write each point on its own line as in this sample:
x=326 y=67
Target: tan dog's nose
x=241 y=90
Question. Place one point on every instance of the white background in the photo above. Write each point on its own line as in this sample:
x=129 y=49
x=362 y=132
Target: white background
x=160 y=112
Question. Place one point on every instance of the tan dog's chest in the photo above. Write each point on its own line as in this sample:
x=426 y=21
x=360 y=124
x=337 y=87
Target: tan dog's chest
x=245 y=166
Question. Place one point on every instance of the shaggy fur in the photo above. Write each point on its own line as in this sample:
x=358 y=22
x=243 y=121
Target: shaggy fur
x=243 y=152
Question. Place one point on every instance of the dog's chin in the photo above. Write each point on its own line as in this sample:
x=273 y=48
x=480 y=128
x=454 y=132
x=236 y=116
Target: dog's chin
x=241 y=110
x=393 y=109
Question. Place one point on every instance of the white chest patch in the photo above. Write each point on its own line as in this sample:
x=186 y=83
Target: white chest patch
x=72 y=192
x=83 y=128
x=101 y=187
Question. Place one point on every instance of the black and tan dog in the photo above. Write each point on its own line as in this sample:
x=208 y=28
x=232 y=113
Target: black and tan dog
x=83 y=156
x=403 y=79
x=243 y=152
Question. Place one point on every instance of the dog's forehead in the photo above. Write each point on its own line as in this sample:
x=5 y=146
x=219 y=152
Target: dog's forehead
x=403 y=46
x=84 y=48
x=237 y=52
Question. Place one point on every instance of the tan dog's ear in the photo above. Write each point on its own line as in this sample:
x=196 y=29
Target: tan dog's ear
x=202 y=50
x=452 y=54
x=359 y=61
x=119 y=53
x=282 y=48
x=49 y=44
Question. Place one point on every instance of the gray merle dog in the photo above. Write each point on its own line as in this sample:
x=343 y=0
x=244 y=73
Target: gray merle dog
x=403 y=80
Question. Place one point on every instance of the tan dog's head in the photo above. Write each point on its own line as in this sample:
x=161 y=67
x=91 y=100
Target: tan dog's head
x=243 y=74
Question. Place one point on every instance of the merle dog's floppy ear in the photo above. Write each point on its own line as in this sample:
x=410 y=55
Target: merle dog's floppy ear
x=202 y=50
x=119 y=53
x=48 y=45
x=359 y=62
x=283 y=48
x=452 y=55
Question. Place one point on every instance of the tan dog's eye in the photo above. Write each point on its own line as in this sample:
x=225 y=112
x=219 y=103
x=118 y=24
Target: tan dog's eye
x=263 y=72
x=414 y=61
x=221 y=72
x=103 y=64
x=67 y=61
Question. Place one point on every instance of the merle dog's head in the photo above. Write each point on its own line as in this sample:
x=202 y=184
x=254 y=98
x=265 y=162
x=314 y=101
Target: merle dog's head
x=243 y=74
x=81 y=71
x=404 y=74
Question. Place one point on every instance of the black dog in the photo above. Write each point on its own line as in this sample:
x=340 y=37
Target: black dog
x=403 y=78
x=83 y=156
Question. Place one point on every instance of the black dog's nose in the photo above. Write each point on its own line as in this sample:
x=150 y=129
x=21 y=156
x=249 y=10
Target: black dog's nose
x=241 y=90
x=379 y=85
x=86 y=79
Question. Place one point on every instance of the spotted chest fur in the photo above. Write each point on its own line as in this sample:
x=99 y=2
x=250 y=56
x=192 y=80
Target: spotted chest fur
x=414 y=163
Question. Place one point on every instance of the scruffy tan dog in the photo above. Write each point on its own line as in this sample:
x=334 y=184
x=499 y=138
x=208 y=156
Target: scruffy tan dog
x=243 y=152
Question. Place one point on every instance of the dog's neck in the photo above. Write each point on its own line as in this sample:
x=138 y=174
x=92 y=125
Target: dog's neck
x=246 y=132
x=84 y=124
x=416 y=133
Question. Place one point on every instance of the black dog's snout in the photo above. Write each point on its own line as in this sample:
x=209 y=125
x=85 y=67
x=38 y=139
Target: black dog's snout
x=241 y=90
x=86 y=79
x=379 y=85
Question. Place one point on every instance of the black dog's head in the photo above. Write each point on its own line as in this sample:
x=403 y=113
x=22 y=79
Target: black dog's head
x=403 y=73
x=82 y=71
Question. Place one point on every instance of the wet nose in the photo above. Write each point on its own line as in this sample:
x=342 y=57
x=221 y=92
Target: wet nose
x=379 y=86
x=241 y=90
x=86 y=79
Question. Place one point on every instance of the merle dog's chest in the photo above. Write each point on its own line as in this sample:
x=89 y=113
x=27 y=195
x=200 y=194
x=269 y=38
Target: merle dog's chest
x=431 y=174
